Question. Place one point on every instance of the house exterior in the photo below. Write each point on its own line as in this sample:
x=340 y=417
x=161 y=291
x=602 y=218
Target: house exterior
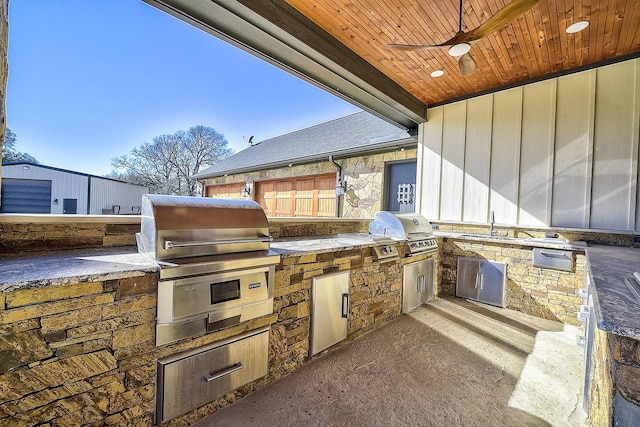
x=36 y=188
x=348 y=167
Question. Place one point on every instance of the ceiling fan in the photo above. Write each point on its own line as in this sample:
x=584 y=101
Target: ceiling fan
x=461 y=42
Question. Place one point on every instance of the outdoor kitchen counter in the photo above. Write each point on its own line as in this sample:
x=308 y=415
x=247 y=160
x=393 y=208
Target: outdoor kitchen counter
x=507 y=240
x=617 y=309
x=52 y=268
x=320 y=244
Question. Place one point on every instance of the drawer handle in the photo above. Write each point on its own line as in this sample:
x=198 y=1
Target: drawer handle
x=478 y=284
x=554 y=255
x=212 y=377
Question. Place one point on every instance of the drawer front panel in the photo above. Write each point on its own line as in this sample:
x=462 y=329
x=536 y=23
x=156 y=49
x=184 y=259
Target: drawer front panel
x=185 y=383
x=553 y=258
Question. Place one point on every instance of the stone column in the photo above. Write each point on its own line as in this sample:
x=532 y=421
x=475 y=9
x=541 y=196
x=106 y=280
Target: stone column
x=4 y=69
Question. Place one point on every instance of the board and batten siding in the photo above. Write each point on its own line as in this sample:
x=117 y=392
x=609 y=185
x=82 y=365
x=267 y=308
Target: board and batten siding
x=561 y=152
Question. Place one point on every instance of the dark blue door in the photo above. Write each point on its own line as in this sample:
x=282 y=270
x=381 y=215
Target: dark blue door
x=69 y=206
x=400 y=186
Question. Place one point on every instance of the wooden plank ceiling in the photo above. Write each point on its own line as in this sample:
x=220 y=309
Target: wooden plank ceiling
x=532 y=46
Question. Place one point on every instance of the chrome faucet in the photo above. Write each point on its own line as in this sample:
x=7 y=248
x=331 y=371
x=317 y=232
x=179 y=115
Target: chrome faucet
x=492 y=231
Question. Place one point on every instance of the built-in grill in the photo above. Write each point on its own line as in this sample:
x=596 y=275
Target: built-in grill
x=411 y=228
x=416 y=233
x=216 y=270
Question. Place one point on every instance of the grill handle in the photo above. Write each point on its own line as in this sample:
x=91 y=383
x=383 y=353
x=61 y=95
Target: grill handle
x=169 y=244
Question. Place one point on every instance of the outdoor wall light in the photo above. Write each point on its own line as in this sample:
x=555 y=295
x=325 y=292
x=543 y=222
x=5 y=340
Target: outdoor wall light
x=246 y=191
x=25 y=168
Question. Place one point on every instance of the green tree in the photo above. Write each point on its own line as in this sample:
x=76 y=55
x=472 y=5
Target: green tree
x=166 y=164
x=9 y=152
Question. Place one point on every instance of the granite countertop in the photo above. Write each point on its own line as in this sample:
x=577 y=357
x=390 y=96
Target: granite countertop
x=36 y=269
x=320 y=244
x=533 y=242
x=617 y=309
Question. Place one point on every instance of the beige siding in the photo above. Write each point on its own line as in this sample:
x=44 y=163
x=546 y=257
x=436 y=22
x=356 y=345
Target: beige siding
x=562 y=152
x=536 y=153
x=573 y=147
x=615 y=149
x=453 y=137
x=477 y=159
x=430 y=164
x=505 y=154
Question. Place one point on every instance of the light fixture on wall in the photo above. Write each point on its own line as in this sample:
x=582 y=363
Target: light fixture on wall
x=437 y=73
x=248 y=187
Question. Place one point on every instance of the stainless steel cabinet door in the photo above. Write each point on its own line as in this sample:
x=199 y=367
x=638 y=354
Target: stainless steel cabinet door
x=481 y=280
x=417 y=284
x=329 y=310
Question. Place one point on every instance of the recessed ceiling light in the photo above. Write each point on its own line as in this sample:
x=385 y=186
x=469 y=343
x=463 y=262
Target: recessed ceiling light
x=459 y=49
x=437 y=73
x=577 y=26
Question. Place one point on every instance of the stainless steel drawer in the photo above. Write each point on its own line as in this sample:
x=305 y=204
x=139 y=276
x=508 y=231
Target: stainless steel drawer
x=553 y=258
x=191 y=379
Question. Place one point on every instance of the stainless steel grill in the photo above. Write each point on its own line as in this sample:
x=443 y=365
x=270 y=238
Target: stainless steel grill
x=216 y=268
x=411 y=228
x=416 y=233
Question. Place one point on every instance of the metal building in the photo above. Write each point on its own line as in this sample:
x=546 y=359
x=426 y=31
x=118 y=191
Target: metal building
x=35 y=188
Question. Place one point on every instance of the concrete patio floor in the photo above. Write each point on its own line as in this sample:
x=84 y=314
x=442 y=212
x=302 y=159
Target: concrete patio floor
x=450 y=363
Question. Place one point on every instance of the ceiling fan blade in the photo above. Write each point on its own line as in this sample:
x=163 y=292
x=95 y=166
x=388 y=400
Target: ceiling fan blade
x=512 y=11
x=416 y=46
x=467 y=65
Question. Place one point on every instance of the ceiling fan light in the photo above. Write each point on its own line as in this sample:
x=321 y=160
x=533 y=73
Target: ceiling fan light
x=577 y=27
x=459 y=49
x=437 y=73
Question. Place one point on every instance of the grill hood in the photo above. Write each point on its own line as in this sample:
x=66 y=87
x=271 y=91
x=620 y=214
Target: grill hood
x=405 y=226
x=180 y=227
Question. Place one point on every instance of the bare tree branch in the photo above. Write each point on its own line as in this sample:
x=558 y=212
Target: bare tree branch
x=167 y=164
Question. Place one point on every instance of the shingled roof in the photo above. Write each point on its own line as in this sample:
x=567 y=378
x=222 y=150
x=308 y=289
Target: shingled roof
x=357 y=133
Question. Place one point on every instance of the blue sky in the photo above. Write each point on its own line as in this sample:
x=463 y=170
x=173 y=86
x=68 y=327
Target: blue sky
x=90 y=80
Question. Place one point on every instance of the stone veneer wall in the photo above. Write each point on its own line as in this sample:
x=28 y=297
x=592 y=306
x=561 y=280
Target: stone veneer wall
x=50 y=232
x=4 y=69
x=38 y=232
x=601 y=386
x=615 y=370
x=364 y=175
x=541 y=292
x=84 y=353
